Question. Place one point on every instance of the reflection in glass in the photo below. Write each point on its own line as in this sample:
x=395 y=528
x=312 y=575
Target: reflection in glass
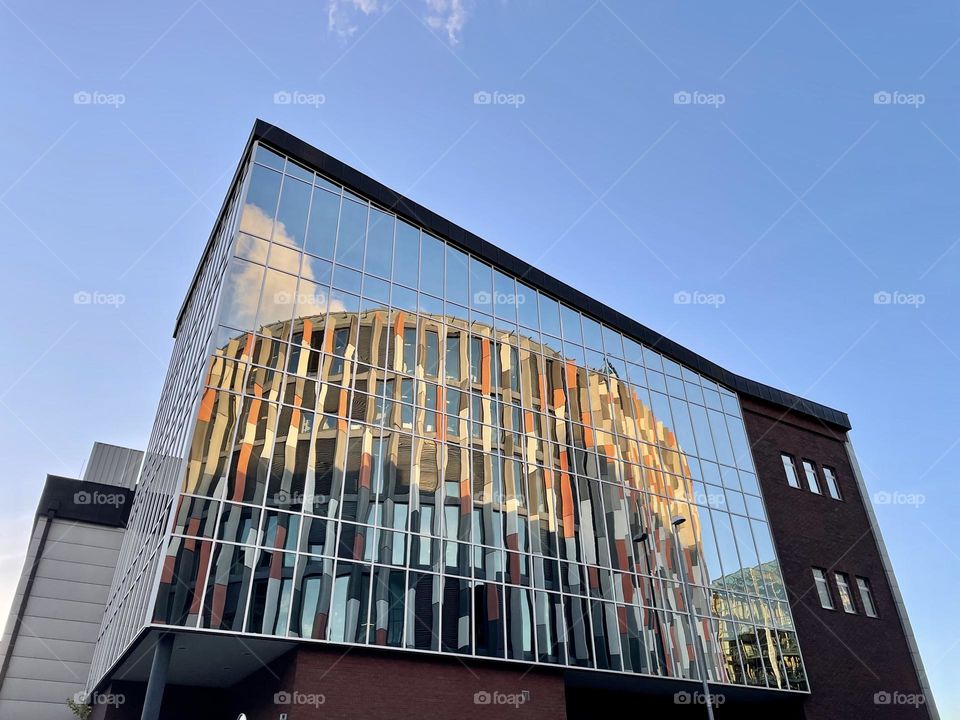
x=398 y=444
x=292 y=213
x=351 y=234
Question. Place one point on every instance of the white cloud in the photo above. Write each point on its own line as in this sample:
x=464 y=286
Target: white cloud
x=448 y=16
x=340 y=14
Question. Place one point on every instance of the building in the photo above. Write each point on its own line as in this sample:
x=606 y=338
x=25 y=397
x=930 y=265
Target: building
x=52 y=629
x=398 y=472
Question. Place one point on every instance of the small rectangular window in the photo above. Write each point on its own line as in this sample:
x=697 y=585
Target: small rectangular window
x=832 y=486
x=823 y=588
x=790 y=468
x=846 y=597
x=866 y=597
x=812 y=482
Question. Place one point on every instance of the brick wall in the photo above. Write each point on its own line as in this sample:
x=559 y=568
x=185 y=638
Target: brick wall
x=370 y=684
x=849 y=658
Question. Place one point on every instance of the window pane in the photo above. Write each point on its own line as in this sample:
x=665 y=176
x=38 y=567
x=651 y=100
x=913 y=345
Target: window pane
x=317 y=270
x=571 y=325
x=866 y=597
x=592 y=334
x=846 y=598
x=481 y=286
x=457 y=282
x=823 y=589
x=351 y=234
x=379 y=244
x=505 y=297
x=277 y=299
x=265 y=156
x=527 y=306
x=322 y=230
x=241 y=290
x=261 y=204
x=406 y=257
x=791 y=470
x=811 y=474
x=549 y=316
x=832 y=487
x=284 y=258
x=431 y=263
x=292 y=214
x=251 y=248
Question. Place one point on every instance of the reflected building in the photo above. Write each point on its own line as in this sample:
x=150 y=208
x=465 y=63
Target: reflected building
x=376 y=434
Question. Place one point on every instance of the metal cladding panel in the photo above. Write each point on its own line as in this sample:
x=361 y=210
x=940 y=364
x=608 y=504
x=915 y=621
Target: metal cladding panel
x=49 y=658
x=113 y=465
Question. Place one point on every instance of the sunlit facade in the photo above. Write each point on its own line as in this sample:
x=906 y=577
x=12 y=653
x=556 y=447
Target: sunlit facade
x=371 y=436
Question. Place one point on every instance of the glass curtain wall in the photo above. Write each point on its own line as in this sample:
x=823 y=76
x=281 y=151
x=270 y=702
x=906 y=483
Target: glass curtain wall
x=400 y=445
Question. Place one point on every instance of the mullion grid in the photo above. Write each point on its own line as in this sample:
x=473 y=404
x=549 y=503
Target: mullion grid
x=440 y=519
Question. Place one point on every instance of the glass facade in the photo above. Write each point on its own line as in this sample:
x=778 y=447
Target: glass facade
x=396 y=444
x=132 y=592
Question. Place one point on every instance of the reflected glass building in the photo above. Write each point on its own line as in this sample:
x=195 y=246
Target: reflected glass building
x=372 y=435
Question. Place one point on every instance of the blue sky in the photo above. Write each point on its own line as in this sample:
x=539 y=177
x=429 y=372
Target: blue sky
x=787 y=161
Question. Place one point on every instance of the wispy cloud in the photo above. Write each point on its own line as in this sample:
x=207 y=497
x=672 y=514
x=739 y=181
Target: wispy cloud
x=446 y=16
x=341 y=14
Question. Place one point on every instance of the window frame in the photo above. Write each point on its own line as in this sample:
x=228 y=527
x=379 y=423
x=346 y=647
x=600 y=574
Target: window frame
x=843 y=582
x=822 y=583
x=788 y=458
x=867 y=598
x=832 y=482
x=812 y=477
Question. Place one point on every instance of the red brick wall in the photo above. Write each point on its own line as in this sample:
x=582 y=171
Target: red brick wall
x=849 y=658
x=393 y=685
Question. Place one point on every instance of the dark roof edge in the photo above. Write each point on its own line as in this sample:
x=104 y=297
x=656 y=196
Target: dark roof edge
x=85 y=501
x=384 y=196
